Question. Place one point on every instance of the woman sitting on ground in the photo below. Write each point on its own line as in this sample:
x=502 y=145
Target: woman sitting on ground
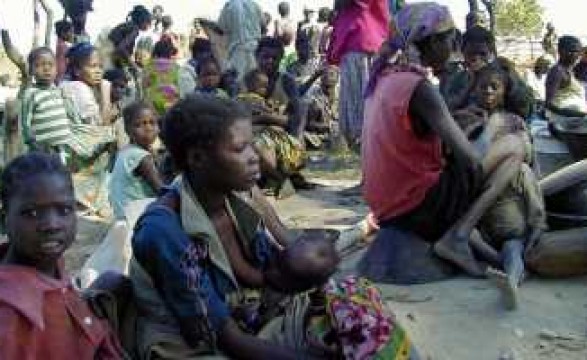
x=438 y=195
x=206 y=260
x=282 y=90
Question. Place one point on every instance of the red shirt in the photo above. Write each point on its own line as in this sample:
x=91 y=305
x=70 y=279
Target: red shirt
x=361 y=27
x=44 y=318
x=398 y=167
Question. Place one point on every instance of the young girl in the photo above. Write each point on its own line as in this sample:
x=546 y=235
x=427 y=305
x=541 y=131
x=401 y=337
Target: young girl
x=209 y=77
x=518 y=217
x=42 y=315
x=135 y=175
x=90 y=95
x=86 y=87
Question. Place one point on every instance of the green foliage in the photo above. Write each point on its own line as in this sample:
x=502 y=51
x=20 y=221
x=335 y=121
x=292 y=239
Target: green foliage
x=518 y=17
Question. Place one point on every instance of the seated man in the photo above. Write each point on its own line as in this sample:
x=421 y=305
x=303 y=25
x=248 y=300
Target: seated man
x=565 y=95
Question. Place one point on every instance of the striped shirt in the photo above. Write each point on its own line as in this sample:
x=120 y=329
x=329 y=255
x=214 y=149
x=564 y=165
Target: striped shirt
x=44 y=116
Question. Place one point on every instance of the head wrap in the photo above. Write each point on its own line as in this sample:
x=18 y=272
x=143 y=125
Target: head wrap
x=80 y=50
x=75 y=55
x=413 y=23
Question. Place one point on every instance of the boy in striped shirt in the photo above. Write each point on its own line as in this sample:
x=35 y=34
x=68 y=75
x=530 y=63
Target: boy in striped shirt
x=45 y=117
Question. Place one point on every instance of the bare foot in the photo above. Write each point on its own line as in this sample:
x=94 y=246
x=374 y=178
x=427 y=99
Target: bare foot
x=507 y=287
x=458 y=252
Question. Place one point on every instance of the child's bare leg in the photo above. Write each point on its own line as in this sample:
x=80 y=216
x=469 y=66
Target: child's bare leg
x=502 y=164
x=298 y=119
x=486 y=251
x=565 y=177
x=513 y=265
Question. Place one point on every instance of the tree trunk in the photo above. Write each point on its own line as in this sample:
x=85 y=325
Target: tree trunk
x=49 y=25
x=473 y=6
x=36 y=24
x=490 y=7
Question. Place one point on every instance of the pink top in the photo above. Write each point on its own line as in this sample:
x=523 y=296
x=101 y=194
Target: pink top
x=398 y=167
x=361 y=27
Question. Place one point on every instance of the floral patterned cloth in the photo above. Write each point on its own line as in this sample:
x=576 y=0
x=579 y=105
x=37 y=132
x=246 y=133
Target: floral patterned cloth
x=363 y=326
x=162 y=83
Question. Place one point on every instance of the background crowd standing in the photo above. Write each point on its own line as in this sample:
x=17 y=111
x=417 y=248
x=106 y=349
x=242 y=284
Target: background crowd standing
x=440 y=120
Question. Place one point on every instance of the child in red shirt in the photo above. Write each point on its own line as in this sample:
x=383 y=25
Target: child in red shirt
x=41 y=315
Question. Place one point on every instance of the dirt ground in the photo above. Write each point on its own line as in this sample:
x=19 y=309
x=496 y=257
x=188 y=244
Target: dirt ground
x=457 y=319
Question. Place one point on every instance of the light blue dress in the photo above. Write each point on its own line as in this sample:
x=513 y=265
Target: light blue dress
x=125 y=185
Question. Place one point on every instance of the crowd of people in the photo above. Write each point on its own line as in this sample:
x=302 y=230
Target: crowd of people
x=440 y=120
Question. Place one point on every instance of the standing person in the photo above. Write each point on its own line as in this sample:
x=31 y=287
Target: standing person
x=360 y=27
x=167 y=33
x=124 y=36
x=325 y=20
x=310 y=28
x=550 y=40
x=90 y=95
x=43 y=316
x=284 y=26
x=78 y=10
x=565 y=95
x=241 y=21
x=410 y=182
x=161 y=77
x=65 y=36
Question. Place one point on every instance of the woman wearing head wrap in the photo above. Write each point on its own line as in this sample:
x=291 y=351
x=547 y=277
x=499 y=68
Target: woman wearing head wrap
x=124 y=36
x=421 y=174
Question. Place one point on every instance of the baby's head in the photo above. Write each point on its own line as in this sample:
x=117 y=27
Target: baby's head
x=308 y=263
x=257 y=82
x=209 y=73
x=43 y=66
x=140 y=124
x=39 y=204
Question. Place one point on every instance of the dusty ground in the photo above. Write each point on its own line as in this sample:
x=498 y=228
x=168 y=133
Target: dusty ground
x=458 y=319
